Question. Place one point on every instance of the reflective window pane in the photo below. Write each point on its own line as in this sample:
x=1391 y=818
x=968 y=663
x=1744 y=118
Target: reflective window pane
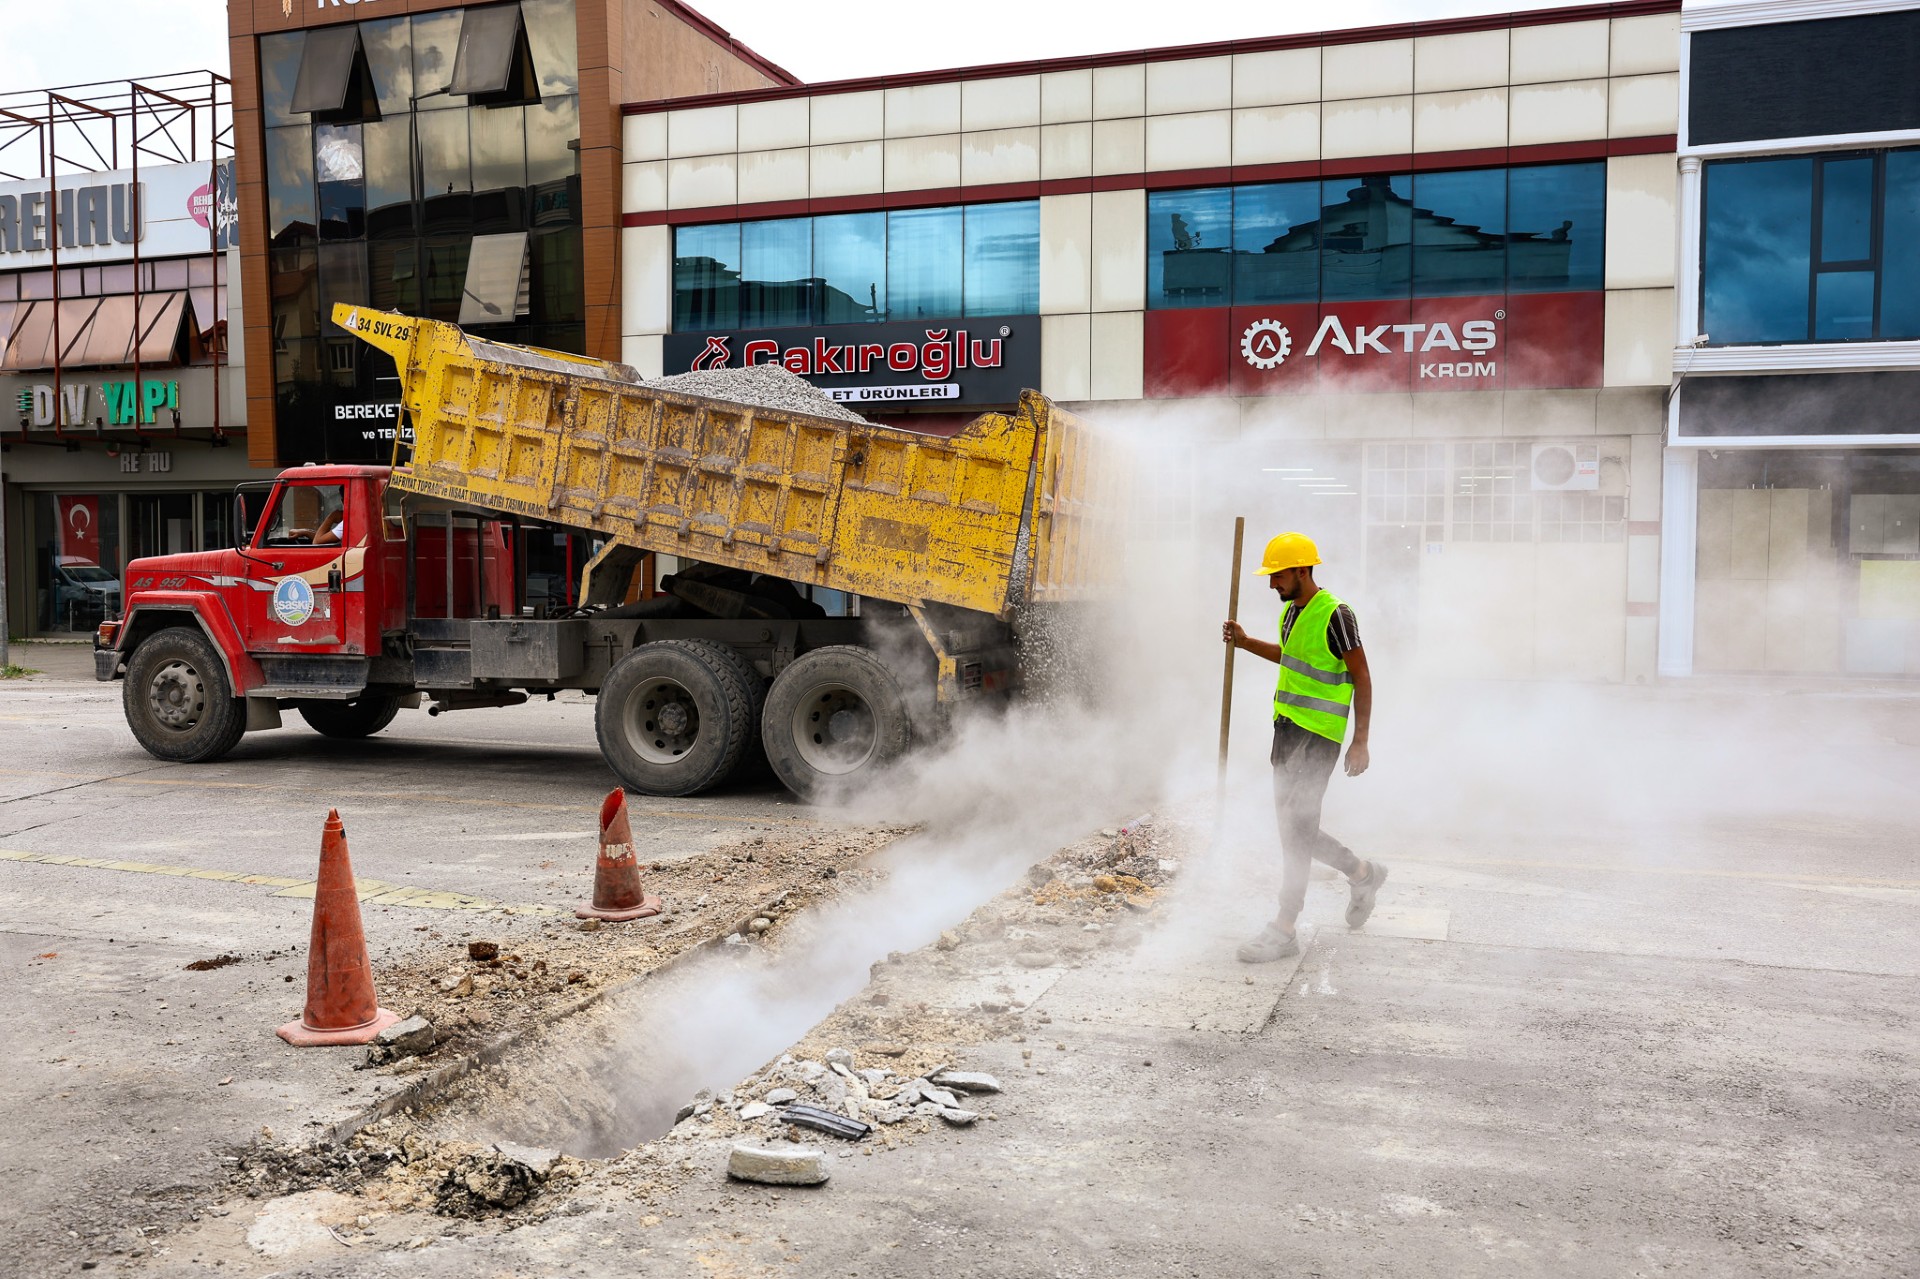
x=388 y=46
x=436 y=38
x=556 y=50
x=444 y=265
x=706 y=277
x=1276 y=243
x=499 y=147
x=1001 y=271
x=1557 y=227
x=387 y=150
x=1843 y=306
x=850 y=267
x=279 y=69
x=552 y=127
x=1190 y=247
x=1758 y=233
x=1900 y=247
x=1459 y=232
x=446 y=173
x=296 y=295
x=776 y=259
x=343 y=278
x=394 y=276
x=1366 y=238
x=1846 y=210
x=924 y=263
x=290 y=206
x=558 y=292
x=339 y=167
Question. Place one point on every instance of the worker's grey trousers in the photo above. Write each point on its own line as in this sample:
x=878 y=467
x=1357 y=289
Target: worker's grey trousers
x=1302 y=763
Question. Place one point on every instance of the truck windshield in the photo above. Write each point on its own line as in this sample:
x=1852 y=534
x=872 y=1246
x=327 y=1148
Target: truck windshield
x=308 y=515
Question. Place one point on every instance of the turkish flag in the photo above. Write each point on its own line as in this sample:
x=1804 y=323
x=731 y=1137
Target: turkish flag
x=79 y=529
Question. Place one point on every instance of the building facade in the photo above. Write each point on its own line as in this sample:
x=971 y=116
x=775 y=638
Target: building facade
x=121 y=418
x=1793 y=458
x=1411 y=288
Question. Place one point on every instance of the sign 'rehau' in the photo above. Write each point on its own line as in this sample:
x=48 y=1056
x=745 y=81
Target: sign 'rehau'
x=84 y=217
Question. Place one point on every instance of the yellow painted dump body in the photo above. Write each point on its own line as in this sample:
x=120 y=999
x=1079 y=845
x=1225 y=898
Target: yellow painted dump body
x=988 y=519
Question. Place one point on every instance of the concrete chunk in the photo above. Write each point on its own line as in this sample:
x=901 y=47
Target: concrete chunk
x=781 y=1096
x=794 y=1166
x=753 y=1110
x=967 y=1081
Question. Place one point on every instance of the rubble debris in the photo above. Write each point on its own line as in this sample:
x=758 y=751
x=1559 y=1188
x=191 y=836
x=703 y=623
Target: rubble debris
x=966 y=1081
x=802 y=1116
x=504 y=1176
x=884 y=1049
x=483 y=951
x=793 y=1166
x=766 y=386
x=839 y=1057
x=754 y=1110
x=781 y=1096
x=208 y=965
x=1034 y=959
x=959 y=1116
x=408 y=1038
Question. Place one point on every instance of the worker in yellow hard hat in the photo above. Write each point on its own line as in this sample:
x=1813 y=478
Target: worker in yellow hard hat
x=1324 y=684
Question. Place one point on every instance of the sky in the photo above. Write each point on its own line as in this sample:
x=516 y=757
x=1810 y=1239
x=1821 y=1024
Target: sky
x=56 y=42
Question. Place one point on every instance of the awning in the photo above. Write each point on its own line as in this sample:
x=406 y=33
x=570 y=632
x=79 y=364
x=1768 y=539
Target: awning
x=97 y=332
x=492 y=58
x=499 y=288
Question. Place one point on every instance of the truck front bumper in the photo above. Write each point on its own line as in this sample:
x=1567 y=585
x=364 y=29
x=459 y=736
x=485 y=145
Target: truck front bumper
x=106 y=663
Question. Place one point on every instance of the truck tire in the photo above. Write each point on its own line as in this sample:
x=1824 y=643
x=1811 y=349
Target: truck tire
x=178 y=700
x=674 y=717
x=362 y=717
x=835 y=718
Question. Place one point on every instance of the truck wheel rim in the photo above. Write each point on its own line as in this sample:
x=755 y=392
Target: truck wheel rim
x=662 y=721
x=178 y=696
x=833 y=729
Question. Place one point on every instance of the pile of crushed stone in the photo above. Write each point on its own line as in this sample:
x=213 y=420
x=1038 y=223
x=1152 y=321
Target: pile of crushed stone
x=765 y=386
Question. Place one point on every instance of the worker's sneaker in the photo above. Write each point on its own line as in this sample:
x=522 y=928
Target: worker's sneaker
x=1270 y=945
x=1363 y=892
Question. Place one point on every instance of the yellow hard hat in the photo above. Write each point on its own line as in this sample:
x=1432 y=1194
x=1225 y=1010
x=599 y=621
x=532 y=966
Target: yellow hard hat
x=1289 y=550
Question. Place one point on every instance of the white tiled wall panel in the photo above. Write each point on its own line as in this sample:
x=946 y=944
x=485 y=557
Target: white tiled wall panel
x=1276 y=135
x=1375 y=70
x=1639 y=337
x=1366 y=126
x=1066 y=95
x=1066 y=151
x=1197 y=84
x=702 y=180
x=703 y=131
x=1116 y=356
x=773 y=175
x=643 y=186
x=1009 y=103
x=851 y=169
x=1641 y=221
x=1560 y=51
x=644 y=137
x=1066 y=253
x=1066 y=371
x=919 y=109
x=1644 y=105
x=1566 y=112
x=915 y=164
x=1276 y=78
x=1119 y=91
x=1000 y=155
x=847 y=117
x=1119 y=146
x=774 y=126
x=1645 y=45
x=1119 y=250
x=1463 y=121
x=1199 y=140
x=1467 y=60
x=646 y=294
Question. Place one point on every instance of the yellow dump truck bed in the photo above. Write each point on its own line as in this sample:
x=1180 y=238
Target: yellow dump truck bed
x=1003 y=513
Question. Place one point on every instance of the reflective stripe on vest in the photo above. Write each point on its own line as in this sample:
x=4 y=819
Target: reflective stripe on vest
x=1315 y=689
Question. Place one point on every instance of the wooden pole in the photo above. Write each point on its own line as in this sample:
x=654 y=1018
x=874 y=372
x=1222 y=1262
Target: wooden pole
x=1226 y=680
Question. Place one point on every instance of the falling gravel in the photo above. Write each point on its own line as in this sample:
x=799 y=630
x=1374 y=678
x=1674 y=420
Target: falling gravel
x=765 y=386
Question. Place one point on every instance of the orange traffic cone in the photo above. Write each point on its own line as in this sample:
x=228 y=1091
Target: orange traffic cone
x=617 y=894
x=341 y=1006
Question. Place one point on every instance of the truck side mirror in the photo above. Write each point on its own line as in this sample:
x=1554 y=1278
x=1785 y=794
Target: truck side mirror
x=242 y=529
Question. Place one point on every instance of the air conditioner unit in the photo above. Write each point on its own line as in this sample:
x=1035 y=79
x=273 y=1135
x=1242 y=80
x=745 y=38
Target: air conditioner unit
x=1565 y=467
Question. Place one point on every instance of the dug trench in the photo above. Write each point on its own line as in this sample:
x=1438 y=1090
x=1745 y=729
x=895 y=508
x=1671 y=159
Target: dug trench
x=857 y=1006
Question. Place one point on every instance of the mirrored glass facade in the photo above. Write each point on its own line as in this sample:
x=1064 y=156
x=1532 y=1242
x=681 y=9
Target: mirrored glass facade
x=378 y=204
x=1533 y=229
x=854 y=268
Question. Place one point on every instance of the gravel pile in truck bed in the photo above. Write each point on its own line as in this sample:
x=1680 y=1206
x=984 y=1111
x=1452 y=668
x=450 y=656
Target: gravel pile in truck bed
x=765 y=386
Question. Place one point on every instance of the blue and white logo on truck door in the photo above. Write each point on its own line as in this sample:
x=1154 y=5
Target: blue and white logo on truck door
x=292 y=601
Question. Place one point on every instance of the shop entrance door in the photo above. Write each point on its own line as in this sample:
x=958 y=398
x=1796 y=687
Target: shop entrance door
x=160 y=524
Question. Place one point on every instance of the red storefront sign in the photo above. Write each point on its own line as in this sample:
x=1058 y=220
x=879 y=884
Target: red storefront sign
x=1497 y=343
x=79 y=529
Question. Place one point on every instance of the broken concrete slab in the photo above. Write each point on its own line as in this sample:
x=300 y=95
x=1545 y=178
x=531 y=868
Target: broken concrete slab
x=966 y=1081
x=781 y=1096
x=792 y=1166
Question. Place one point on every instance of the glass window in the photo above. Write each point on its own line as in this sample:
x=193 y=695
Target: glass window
x=706 y=277
x=279 y=70
x=556 y=50
x=553 y=133
x=850 y=266
x=290 y=207
x=1557 y=227
x=343 y=278
x=306 y=515
x=775 y=260
x=924 y=263
x=1189 y=247
x=1366 y=238
x=76 y=560
x=1758 y=221
x=387 y=150
x=499 y=142
x=1460 y=232
x=446 y=173
x=1002 y=263
x=387 y=43
x=340 y=168
x=436 y=38
x=1842 y=306
x=1276 y=243
x=296 y=295
x=327 y=65
x=394 y=275
x=1846 y=210
x=445 y=262
x=558 y=293
x=1900 y=238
